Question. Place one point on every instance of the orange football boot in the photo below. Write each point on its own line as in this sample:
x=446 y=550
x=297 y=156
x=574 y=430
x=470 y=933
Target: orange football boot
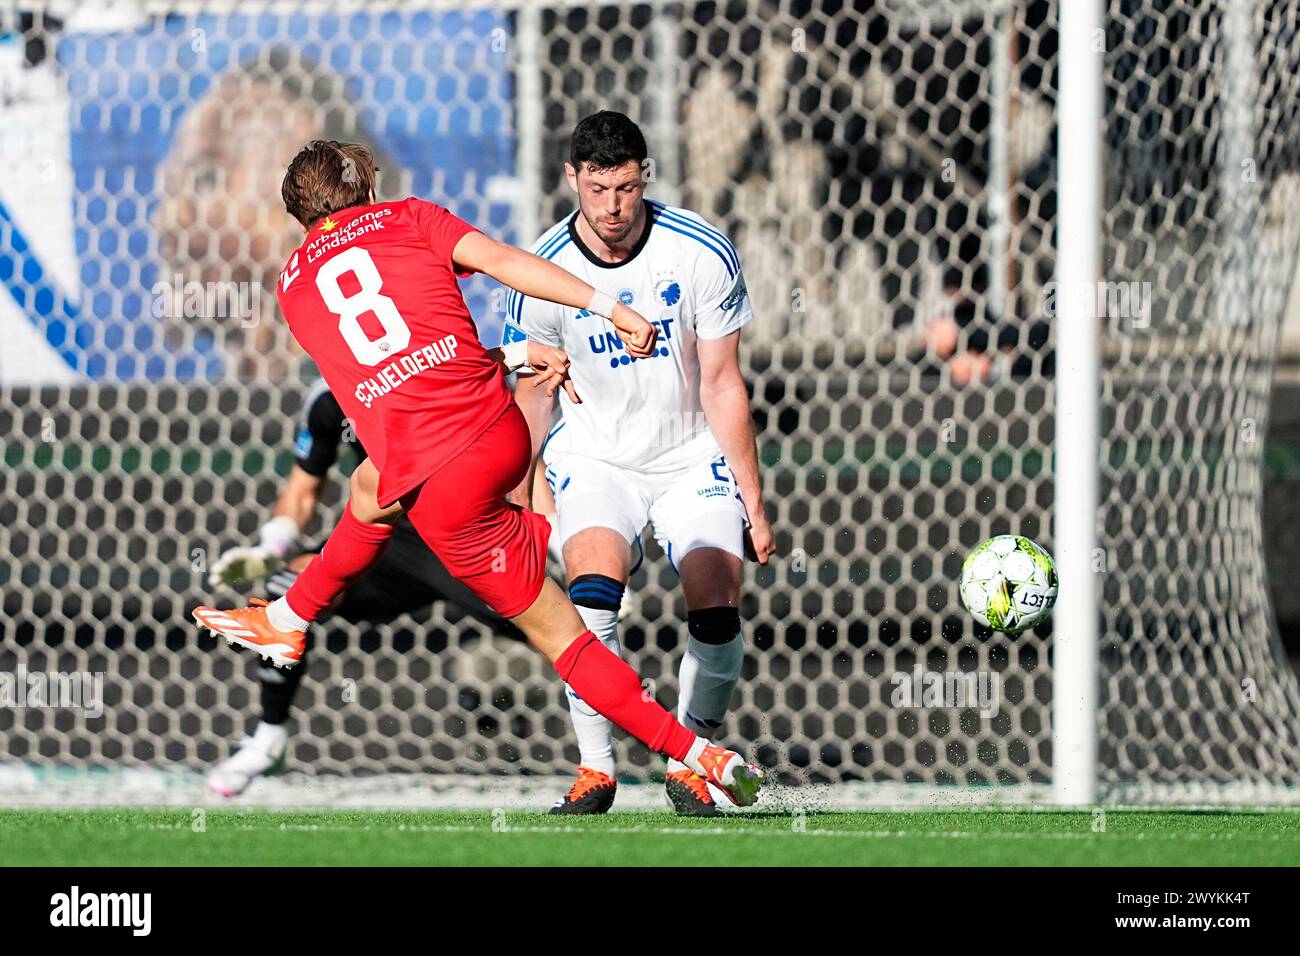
x=727 y=771
x=689 y=794
x=249 y=627
x=591 y=793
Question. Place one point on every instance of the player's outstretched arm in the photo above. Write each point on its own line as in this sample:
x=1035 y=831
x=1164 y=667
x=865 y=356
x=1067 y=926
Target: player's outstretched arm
x=542 y=279
x=293 y=509
x=726 y=408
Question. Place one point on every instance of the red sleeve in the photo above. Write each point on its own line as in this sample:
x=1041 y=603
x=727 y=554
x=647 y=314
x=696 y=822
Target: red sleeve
x=440 y=229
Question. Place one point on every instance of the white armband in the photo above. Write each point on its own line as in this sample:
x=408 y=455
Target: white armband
x=515 y=355
x=602 y=304
x=278 y=535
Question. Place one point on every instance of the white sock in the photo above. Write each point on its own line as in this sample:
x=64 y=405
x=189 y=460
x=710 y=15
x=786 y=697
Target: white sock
x=692 y=761
x=282 y=617
x=272 y=738
x=706 y=680
x=595 y=733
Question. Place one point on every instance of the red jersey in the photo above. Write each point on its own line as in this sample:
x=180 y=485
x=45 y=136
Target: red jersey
x=372 y=296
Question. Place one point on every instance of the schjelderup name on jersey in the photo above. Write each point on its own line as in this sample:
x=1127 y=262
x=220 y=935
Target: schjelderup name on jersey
x=398 y=371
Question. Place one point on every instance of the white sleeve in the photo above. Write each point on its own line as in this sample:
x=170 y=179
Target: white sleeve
x=530 y=318
x=721 y=299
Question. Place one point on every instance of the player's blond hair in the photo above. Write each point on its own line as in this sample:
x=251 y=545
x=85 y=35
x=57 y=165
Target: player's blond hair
x=327 y=176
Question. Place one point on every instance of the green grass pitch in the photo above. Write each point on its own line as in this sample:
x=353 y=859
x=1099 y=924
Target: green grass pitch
x=880 y=838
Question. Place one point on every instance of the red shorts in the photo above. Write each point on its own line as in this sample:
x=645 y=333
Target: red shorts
x=497 y=549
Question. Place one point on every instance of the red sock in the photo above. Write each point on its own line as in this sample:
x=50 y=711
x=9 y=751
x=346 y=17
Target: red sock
x=605 y=682
x=351 y=549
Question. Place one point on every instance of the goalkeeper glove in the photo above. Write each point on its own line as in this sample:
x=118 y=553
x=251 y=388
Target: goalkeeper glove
x=244 y=562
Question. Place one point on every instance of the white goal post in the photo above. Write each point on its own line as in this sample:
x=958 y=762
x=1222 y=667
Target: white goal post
x=1078 y=385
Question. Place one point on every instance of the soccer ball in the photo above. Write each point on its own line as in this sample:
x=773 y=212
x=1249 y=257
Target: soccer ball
x=1008 y=583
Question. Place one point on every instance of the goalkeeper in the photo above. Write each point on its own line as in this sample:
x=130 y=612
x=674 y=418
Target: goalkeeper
x=408 y=577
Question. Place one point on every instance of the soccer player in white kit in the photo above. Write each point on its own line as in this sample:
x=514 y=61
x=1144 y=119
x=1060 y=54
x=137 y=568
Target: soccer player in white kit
x=666 y=439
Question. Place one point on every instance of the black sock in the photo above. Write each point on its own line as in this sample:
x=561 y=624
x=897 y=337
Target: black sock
x=278 y=689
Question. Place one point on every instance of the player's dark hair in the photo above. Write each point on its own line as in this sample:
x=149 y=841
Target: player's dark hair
x=605 y=140
x=327 y=176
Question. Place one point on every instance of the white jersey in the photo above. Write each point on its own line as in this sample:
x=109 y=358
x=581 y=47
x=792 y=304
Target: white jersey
x=684 y=276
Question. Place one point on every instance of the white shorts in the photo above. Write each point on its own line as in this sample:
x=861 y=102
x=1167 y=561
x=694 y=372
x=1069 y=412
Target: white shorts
x=695 y=507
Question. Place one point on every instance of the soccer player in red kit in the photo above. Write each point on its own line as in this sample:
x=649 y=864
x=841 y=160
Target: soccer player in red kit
x=372 y=296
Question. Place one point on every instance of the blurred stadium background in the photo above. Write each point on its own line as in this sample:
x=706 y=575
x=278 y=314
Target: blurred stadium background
x=887 y=170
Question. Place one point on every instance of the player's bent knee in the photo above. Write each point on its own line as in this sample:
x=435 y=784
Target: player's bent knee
x=710 y=577
x=601 y=551
x=714 y=625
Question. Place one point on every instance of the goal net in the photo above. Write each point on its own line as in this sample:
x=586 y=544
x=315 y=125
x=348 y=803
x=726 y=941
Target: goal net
x=886 y=169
